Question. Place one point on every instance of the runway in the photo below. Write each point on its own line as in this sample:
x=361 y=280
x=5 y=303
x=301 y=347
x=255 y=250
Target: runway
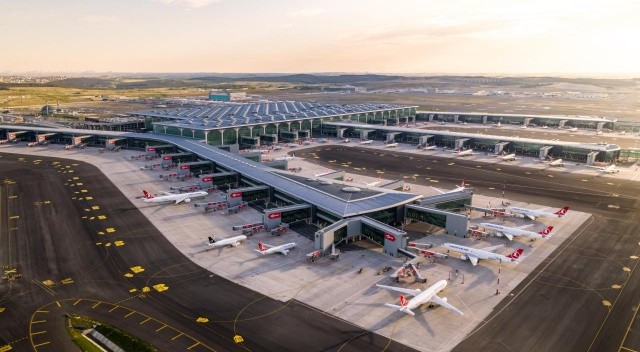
x=584 y=297
x=80 y=247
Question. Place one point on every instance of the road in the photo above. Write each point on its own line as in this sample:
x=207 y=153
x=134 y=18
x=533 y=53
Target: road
x=584 y=297
x=80 y=247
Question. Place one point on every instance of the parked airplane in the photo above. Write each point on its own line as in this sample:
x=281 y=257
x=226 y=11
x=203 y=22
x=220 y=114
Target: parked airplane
x=457 y=189
x=556 y=162
x=374 y=183
x=465 y=152
x=286 y=157
x=391 y=145
x=611 y=169
x=430 y=295
x=267 y=249
x=507 y=157
x=366 y=141
x=574 y=129
x=227 y=242
x=172 y=197
x=538 y=213
x=473 y=254
x=429 y=147
x=510 y=232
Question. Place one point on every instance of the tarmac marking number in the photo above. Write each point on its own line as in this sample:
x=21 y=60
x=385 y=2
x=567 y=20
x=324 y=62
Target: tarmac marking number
x=5 y=348
x=238 y=339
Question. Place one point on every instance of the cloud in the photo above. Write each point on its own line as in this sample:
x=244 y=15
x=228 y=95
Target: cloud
x=189 y=3
x=307 y=12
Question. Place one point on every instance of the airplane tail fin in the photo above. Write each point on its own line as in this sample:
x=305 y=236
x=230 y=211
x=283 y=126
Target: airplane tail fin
x=515 y=255
x=211 y=240
x=562 y=211
x=147 y=194
x=546 y=231
x=261 y=247
x=403 y=301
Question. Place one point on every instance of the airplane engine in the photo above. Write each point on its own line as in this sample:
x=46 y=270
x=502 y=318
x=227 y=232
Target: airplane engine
x=444 y=299
x=187 y=200
x=236 y=244
x=463 y=257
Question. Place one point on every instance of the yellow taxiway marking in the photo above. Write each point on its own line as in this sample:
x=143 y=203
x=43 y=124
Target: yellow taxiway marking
x=67 y=281
x=14 y=217
x=79 y=184
x=58 y=304
x=111 y=230
x=13 y=197
x=101 y=217
x=238 y=339
x=41 y=344
x=108 y=244
x=175 y=337
x=76 y=178
x=133 y=290
x=606 y=303
x=118 y=243
x=88 y=198
x=76 y=302
x=83 y=191
x=616 y=286
x=2 y=309
x=160 y=287
x=202 y=320
x=160 y=328
x=114 y=308
x=5 y=348
x=38 y=321
x=39 y=332
x=128 y=275
x=129 y=314
x=144 y=321
x=42 y=311
x=627 y=348
x=95 y=305
x=194 y=345
x=137 y=269
x=95 y=207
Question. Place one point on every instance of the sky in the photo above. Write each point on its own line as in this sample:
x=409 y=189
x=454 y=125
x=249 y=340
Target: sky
x=582 y=37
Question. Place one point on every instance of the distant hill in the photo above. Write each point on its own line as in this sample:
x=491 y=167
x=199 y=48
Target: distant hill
x=303 y=78
x=83 y=82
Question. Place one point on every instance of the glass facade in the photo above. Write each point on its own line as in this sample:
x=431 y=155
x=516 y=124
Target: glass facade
x=376 y=235
x=454 y=205
x=296 y=215
x=427 y=217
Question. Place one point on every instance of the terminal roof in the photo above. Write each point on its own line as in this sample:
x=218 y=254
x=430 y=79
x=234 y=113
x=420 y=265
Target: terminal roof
x=283 y=181
x=231 y=114
x=555 y=117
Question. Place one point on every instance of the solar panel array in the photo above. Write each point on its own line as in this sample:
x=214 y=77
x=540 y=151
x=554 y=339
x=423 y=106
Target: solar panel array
x=221 y=115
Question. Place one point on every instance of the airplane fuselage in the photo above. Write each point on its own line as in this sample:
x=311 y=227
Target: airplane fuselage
x=478 y=253
x=182 y=197
x=232 y=242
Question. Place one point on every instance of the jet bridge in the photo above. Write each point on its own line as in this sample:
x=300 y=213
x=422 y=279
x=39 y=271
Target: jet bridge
x=196 y=167
x=364 y=134
x=151 y=151
x=218 y=179
x=591 y=157
x=12 y=137
x=42 y=138
x=272 y=218
x=114 y=144
x=391 y=136
x=79 y=140
x=247 y=194
x=544 y=152
x=562 y=123
x=454 y=224
x=173 y=158
x=391 y=238
x=459 y=144
x=499 y=148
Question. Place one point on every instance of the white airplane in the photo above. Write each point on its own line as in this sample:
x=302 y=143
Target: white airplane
x=510 y=232
x=374 y=183
x=267 y=249
x=507 y=157
x=538 y=213
x=474 y=254
x=430 y=295
x=457 y=189
x=574 y=129
x=227 y=242
x=556 y=162
x=611 y=169
x=391 y=145
x=368 y=141
x=173 y=197
x=346 y=140
x=429 y=147
x=465 y=152
x=497 y=125
x=286 y=157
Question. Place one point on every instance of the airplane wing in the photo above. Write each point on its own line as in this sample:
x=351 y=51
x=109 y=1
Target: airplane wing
x=528 y=215
x=406 y=291
x=180 y=200
x=523 y=226
x=442 y=302
x=473 y=260
x=266 y=245
x=508 y=235
x=284 y=251
x=492 y=248
x=167 y=193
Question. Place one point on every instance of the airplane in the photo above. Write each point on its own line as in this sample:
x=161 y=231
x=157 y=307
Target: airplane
x=497 y=125
x=227 y=242
x=611 y=169
x=538 y=213
x=172 y=197
x=286 y=157
x=474 y=254
x=346 y=140
x=507 y=157
x=465 y=152
x=574 y=129
x=429 y=147
x=374 y=183
x=267 y=249
x=323 y=140
x=510 y=232
x=462 y=187
x=391 y=145
x=367 y=141
x=556 y=162
x=4 y=141
x=420 y=297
